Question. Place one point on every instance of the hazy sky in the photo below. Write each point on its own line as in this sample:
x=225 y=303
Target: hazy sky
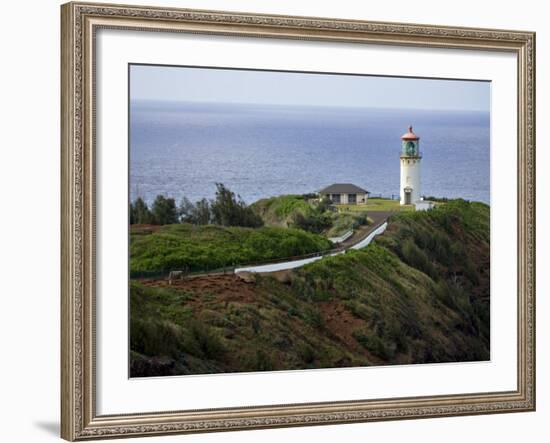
x=284 y=88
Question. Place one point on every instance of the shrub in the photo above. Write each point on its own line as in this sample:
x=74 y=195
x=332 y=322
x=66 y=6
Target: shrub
x=417 y=258
x=155 y=337
x=258 y=360
x=358 y=309
x=471 y=272
x=212 y=247
x=209 y=343
x=313 y=317
x=374 y=344
x=315 y=221
x=306 y=353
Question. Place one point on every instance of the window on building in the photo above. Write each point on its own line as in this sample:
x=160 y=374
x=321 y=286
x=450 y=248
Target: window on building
x=352 y=198
x=335 y=198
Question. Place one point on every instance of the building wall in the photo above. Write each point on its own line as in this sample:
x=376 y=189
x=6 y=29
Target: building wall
x=410 y=177
x=344 y=198
x=362 y=196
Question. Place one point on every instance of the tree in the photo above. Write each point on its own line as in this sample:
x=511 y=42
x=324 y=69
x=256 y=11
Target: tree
x=201 y=213
x=185 y=210
x=140 y=213
x=197 y=214
x=164 y=211
x=230 y=210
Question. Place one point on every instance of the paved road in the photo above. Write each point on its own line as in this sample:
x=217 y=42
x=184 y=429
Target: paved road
x=378 y=218
x=360 y=239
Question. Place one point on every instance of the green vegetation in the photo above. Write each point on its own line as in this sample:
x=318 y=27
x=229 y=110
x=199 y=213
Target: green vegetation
x=164 y=211
x=140 y=213
x=317 y=219
x=418 y=294
x=436 y=199
x=226 y=209
x=308 y=213
x=200 y=248
x=342 y=222
x=377 y=204
x=278 y=211
x=281 y=211
x=197 y=214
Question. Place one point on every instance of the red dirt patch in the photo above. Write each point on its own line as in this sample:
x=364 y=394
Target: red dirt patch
x=341 y=323
x=224 y=288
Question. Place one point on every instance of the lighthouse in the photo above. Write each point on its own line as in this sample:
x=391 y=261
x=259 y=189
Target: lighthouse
x=410 y=168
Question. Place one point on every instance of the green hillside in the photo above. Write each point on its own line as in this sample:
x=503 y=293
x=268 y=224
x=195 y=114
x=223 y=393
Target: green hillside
x=202 y=247
x=418 y=294
x=280 y=210
x=309 y=214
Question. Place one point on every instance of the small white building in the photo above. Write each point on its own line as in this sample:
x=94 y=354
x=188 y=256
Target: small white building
x=423 y=205
x=345 y=194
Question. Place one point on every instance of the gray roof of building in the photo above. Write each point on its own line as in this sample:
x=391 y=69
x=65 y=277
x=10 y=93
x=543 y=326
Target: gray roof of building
x=343 y=188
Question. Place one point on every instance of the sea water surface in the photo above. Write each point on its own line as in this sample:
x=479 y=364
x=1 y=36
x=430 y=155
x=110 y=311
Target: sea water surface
x=184 y=149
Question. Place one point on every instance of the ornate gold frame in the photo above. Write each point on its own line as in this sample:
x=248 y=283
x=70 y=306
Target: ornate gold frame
x=79 y=420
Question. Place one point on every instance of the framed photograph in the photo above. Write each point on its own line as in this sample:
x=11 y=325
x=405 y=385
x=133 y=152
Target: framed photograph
x=283 y=221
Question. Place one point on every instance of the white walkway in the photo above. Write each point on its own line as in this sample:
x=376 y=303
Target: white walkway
x=299 y=263
x=366 y=241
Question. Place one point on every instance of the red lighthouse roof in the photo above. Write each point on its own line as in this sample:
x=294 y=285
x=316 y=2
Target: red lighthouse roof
x=410 y=135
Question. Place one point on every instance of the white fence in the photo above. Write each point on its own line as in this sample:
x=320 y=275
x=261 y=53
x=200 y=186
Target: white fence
x=342 y=238
x=366 y=241
x=274 y=267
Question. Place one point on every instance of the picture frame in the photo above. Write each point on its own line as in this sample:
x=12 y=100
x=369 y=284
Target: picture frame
x=80 y=177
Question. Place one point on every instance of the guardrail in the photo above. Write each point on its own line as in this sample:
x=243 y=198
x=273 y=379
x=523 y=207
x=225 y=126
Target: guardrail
x=267 y=265
x=342 y=238
x=366 y=241
x=231 y=268
x=292 y=264
x=165 y=273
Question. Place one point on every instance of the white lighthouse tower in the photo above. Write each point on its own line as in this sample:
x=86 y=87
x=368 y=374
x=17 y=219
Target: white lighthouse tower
x=410 y=168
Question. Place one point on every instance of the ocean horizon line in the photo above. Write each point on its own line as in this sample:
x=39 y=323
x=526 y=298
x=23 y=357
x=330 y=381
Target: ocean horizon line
x=300 y=105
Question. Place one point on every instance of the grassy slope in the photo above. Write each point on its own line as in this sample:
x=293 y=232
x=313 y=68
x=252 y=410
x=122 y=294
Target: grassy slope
x=279 y=211
x=420 y=293
x=210 y=247
x=378 y=204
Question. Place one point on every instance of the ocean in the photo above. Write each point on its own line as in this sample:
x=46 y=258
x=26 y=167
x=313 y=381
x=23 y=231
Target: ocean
x=258 y=151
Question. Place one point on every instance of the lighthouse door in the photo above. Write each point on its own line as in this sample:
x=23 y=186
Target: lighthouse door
x=408 y=196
